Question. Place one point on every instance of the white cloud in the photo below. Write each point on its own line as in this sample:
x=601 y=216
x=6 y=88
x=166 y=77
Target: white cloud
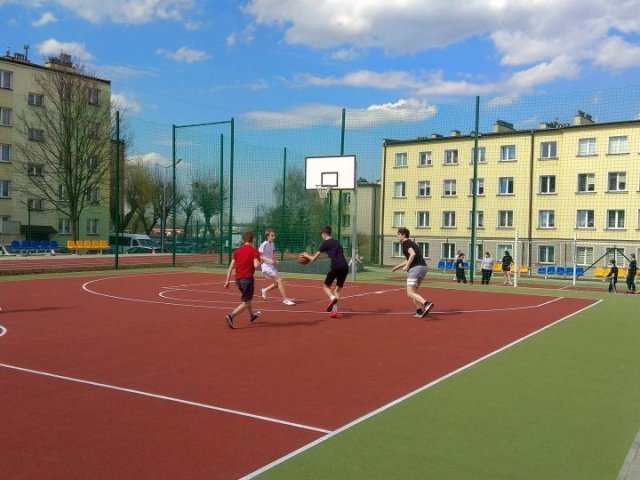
x=502 y=101
x=117 y=72
x=545 y=72
x=151 y=158
x=231 y=40
x=53 y=48
x=404 y=110
x=617 y=54
x=125 y=103
x=128 y=11
x=184 y=55
x=45 y=19
x=344 y=54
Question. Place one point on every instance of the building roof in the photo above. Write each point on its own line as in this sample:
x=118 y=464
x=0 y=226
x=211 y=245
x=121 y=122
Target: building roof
x=28 y=63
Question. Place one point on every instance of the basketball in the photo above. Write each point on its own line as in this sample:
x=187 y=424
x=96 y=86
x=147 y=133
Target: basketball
x=302 y=260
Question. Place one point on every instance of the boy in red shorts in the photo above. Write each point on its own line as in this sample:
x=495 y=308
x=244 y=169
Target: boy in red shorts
x=245 y=260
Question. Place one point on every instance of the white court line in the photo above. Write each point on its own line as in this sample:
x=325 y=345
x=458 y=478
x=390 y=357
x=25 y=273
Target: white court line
x=405 y=397
x=3 y=331
x=183 y=303
x=164 y=397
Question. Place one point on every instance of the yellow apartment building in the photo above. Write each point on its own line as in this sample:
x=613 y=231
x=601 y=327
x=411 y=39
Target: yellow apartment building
x=24 y=214
x=367 y=220
x=561 y=190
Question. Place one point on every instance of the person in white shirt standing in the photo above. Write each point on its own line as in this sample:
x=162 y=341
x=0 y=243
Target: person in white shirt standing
x=269 y=268
x=487 y=268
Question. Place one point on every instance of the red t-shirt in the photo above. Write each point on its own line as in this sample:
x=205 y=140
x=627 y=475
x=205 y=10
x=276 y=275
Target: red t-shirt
x=244 y=257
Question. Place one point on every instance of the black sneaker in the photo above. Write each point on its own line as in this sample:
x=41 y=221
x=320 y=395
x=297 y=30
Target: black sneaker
x=427 y=308
x=255 y=317
x=418 y=313
x=230 y=322
x=333 y=301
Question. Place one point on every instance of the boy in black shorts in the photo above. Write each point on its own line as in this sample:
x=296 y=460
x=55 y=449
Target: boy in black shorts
x=338 y=271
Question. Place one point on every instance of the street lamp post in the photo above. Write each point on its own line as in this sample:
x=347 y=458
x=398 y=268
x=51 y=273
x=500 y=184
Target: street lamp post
x=163 y=220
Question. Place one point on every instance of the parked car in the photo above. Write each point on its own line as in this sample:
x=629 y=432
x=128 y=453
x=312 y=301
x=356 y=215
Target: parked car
x=149 y=250
x=128 y=241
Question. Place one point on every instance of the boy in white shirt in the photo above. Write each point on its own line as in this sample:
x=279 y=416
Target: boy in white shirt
x=269 y=270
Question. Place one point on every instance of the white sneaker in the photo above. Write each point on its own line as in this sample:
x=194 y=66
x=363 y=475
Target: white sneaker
x=288 y=302
x=264 y=293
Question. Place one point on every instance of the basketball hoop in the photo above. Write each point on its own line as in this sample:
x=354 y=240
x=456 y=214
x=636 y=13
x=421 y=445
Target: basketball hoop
x=323 y=191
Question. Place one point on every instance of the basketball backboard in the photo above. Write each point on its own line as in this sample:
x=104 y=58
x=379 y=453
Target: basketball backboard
x=337 y=172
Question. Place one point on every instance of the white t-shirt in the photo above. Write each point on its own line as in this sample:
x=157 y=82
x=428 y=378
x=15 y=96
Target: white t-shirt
x=487 y=263
x=266 y=250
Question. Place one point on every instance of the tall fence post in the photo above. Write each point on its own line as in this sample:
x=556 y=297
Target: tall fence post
x=221 y=199
x=474 y=221
x=231 y=153
x=116 y=193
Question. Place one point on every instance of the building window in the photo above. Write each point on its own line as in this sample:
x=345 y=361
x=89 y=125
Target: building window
x=396 y=249
x=479 y=218
x=617 y=182
x=62 y=193
x=36 y=99
x=448 y=219
x=6 y=79
x=505 y=186
x=424 y=159
x=505 y=218
x=617 y=254
x=401 y=160
x=586 y=182
x=482 y=154
x=92 y=226
x=93 y=166
x=35 y=135
x=584 y=256
x=346 y=220
x=5 y=190
x=479 y=189
x=35 y=204
x=585 y=219
x=5 y=116
x=586 y=146
x=65 y=92
x=546 y=254
x=35 y=170
x=501 y=248
x=448 y=250
x=424 y=188
x=548 y=149
x=346 y=196
x=547 y=184
x=5 y=152
x=422 y=220
x=424 y=248
x=507 y=153
x=618 y=145
x=449 y=188
x=615 y=219
x=450 y=157
x=64 y=226
x=94 y=96
x=398 y=219
x=346 y=242
x=93 y=196
x=399 y=190
x=547 y=219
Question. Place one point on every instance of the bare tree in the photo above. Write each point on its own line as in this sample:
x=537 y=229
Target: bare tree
x=64 y=157
x=205 y=191
x=140 y=192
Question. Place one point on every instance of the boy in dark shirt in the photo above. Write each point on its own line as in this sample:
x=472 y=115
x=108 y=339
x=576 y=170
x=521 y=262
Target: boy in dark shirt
x=460 y=273
x=631 y=276
x=416 y=269
x=613 y=277
x=338 y=271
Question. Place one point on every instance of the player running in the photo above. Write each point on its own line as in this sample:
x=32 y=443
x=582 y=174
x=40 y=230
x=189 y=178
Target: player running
x=269 y=270
x=338 y=271
x=416 y=269
x=245 y=260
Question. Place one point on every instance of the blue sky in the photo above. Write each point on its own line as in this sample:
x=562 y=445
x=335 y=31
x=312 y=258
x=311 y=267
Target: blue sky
x=186 y=61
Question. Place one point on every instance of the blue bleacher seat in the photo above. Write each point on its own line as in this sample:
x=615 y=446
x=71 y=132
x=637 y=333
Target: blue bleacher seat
x=441 y=265
x=15 y=245
x=466 y=265
x=579 y=271
x=542 y=270
x=551 y=270
x=448 y=265
x=24 y=246
x=560 y=271
x=53 y=245
x=569 y=271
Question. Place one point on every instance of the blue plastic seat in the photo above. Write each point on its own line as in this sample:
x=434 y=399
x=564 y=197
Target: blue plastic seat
x=24 y=246
x=15 y=245
x=441 y=265
x=53 y=245
x=551 y=270
x=579 y=271
x=542 y=270
x=449 y=265
x=569 y=271
x=560 y=271
x=466 y=265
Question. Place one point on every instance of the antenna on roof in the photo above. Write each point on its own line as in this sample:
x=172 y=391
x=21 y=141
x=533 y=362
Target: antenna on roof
x=26 y=51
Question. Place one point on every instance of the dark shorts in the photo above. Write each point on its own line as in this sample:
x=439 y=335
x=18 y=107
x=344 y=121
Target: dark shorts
x=338 y=274
x=506 y=268
x=246 y=286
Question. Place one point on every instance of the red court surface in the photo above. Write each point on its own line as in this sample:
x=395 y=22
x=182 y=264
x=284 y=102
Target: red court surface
x=138 y=376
